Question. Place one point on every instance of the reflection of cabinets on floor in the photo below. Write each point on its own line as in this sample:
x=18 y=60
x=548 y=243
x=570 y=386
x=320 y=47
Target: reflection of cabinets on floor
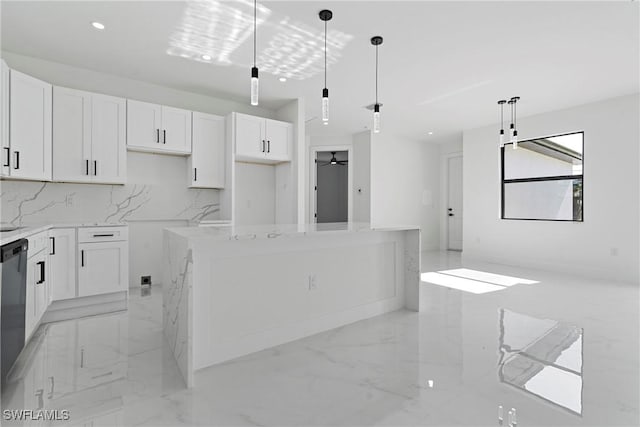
x=262 y=189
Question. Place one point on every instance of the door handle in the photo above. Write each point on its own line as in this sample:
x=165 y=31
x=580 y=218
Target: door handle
x=450 y=214
x=86 y=167
x=195 y=174
x=268 y=146
x=95 y=168
x=17 y=165
x=8 y=156
x=82 y=258
x=450 y=209
x=53 y=245
x=164 y=136
x=42 y=278
x=158 y=135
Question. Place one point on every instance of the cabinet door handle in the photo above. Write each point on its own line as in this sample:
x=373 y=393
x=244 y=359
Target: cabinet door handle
x=82 y=258
x=195 y=174
x=53 y=245
x=157 y=135
x=263 y=145
x=17 y=165
x=268 y=146
x=164 y=136
x=103 y=235
x=42 y=278
x=8 y=156
x=86 y=167
x=95 y=168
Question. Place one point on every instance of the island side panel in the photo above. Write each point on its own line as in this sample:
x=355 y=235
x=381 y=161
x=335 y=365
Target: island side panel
x=254 y=294
x=412 y=270
x=176 y=304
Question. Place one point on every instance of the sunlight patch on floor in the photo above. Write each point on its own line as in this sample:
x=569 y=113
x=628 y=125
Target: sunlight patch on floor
x=474 y=281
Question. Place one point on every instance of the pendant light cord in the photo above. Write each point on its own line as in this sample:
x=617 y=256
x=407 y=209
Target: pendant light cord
x=376 y=74
x=255 y=15
x=325 y=54
x=502 y=117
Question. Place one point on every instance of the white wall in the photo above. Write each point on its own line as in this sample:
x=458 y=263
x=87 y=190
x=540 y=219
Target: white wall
x=156 y=194
x=396 y=180
x=362 y=176
x=606 y=243
x=430 y=198
x=255 y=198
x=290 y=195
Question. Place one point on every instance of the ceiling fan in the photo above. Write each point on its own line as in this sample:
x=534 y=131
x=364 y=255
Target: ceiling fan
x=333 y=161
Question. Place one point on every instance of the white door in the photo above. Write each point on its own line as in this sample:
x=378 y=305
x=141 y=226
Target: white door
x=71 y=135
x=208 y=151
x=4 y=119
x=62 y=263
x=30 y=127
x=143 y=124
x=176 y=130
x=108 y=143
x=278 y=135
x=102 y=268
x=250 y=136
x=454 y=208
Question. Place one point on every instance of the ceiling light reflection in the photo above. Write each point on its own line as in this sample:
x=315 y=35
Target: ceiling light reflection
x=219 y=29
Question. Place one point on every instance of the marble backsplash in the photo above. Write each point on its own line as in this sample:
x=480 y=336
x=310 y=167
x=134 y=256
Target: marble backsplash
x=156 y=191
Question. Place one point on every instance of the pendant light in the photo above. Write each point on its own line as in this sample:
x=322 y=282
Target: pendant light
x=254 y=69
x=513 y=127
x=325 y=15
x=501 y=133
x=376 y=41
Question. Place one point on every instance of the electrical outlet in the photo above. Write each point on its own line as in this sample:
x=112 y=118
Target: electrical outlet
x=313 y=282
x=69 y=200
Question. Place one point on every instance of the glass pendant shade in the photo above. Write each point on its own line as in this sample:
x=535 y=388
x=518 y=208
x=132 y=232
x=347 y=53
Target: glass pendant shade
x=254 y=86
x=325 y=105
x=376 y=118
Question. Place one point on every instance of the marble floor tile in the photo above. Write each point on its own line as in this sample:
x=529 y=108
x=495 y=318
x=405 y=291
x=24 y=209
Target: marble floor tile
x=561 y=351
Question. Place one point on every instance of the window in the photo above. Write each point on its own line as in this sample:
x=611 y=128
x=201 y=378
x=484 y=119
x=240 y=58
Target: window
x=543 y=179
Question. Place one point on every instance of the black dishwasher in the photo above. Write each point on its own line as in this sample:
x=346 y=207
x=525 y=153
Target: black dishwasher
x=13 y=264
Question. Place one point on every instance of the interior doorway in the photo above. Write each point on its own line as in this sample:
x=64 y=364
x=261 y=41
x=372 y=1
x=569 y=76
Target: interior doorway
x=332 y=185
x=454 y=203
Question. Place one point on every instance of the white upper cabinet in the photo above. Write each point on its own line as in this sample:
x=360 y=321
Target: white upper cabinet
x=176 y=130
x=4 y=119
x=207 y=161
x=262 y=140
x=88 y=137
x=108 y=139
x=29 y=128
x=250 y=136
x=279 y=138
x=158 y=128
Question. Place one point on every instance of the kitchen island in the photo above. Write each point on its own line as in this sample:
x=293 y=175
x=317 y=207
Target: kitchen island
x=231 y=291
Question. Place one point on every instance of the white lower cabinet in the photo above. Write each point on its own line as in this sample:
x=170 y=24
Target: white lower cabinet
x=37 y=292
x=62 y=263
x=103 y=261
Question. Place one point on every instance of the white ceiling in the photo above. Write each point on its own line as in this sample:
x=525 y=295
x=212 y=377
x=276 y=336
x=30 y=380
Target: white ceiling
x=443 y=65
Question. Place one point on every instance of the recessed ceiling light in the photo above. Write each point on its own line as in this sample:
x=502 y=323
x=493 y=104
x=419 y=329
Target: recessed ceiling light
x=430 y=133
x=206 y=57
x=98 y=25
x=283 y=79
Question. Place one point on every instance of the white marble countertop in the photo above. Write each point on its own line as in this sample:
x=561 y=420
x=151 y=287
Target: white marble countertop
x=270 y=231
x=28 y=230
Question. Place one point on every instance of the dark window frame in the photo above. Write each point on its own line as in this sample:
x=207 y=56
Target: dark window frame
x=504 y=181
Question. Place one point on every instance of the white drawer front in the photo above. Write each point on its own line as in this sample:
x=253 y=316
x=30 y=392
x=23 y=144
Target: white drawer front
x=103 y=234
x=37 y=243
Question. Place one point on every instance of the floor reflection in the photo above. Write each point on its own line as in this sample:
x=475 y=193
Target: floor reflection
x=542 y=357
